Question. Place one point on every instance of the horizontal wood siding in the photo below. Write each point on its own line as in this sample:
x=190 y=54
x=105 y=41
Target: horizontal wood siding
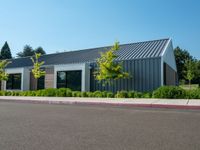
x=49 y=77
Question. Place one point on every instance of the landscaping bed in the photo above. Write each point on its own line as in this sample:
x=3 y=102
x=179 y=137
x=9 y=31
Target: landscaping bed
x=169 y=92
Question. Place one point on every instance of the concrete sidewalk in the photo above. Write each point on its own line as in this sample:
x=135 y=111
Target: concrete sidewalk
x=133 y=102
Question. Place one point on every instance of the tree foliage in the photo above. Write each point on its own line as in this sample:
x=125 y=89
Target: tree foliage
x=3 y=74
x=181 y=57
x=37 y=71
x=107 y=68
x=184 y=68
x=29 y=51
x=40 y=50
x=190 y=70
x=5 y=52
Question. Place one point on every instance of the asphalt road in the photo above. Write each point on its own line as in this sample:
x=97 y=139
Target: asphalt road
x=75 y=127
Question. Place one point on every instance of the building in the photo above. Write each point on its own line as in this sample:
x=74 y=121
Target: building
x=151 y=64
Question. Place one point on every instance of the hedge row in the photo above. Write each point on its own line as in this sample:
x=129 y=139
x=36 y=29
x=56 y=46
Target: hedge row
x=65 y=92
x=171 y=92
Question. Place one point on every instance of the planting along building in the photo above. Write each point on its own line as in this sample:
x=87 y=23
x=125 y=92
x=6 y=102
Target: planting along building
x=150 y=64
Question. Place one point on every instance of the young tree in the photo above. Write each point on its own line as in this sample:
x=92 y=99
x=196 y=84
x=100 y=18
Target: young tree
x=190 y=71
x=181 y=57
x=3 y=74
x=107 y=68
x=27 y=51
x=37 y=71
x=5 y=51
x=40 y=50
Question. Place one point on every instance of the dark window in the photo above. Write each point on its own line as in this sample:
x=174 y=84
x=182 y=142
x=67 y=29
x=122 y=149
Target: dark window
x=164 y=73
x=69 y=79
x=40 y=83
x=14 y=82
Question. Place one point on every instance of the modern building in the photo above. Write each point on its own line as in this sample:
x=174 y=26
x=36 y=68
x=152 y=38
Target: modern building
x=150 y=64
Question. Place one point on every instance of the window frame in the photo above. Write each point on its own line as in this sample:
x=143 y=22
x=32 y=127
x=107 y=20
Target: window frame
x=13 y=85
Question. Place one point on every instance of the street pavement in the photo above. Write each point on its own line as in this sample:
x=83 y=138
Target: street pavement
x=26 y=126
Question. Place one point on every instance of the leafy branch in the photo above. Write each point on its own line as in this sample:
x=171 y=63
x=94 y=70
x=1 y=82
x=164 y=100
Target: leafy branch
x=37 y=71
x=108 y=68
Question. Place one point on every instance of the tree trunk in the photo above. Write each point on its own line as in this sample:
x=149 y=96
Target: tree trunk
x=190 y=84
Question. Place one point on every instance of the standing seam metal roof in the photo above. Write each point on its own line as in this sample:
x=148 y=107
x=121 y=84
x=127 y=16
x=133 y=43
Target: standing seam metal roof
x=147 y=49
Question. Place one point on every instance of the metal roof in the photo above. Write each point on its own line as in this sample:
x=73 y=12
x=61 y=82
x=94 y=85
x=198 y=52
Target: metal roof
x=147 y=49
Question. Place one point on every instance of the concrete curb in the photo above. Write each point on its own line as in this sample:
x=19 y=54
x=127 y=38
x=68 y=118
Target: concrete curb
x=146 y=103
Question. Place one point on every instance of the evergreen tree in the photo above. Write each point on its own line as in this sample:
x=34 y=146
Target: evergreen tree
x=5 y=52
x=40 y=50
x=27 y=51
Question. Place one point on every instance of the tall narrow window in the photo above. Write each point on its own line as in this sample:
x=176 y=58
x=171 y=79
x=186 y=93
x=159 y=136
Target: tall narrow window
x=40 y=83
x=14 y=82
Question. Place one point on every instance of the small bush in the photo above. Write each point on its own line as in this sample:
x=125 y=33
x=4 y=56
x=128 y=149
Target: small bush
x=131 y=94
x=8 y=93
x=2 y=93
x=110 y=95
x=138 y=95
x=121 y=94
x=135 y=94
x=76 y=94
x=169 y=92
x=84 y=94
x=193 y=94
x=61 y=92
x=90 y=94
x=68 y=92
x=48 y=92
x=98 y=94
x=147 y=95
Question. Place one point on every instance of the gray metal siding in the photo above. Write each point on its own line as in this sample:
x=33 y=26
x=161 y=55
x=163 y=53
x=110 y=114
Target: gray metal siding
x=145 y=76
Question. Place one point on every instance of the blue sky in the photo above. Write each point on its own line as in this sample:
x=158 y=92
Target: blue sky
x=59 y=25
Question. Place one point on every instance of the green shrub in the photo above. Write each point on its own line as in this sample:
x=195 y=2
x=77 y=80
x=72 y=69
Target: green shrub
x=90 y=94
x=98 y=94
x=104 y=94
x=8 y=93
x=61 y=92
x=46 y=92
x=39 y=93
x=76 y=94
x=131 y=94
x=68 y=92
x=135 y=94
x=121 y=94
x=169 y=92
x=2 y=93
x=84 y=94
x=110 y=95
x=138 y=94
x=16 y=93
x=147 y=95
x=193 y=94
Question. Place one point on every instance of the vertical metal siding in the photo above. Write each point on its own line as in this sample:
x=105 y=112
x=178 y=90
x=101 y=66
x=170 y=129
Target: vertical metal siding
x=145 y=76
